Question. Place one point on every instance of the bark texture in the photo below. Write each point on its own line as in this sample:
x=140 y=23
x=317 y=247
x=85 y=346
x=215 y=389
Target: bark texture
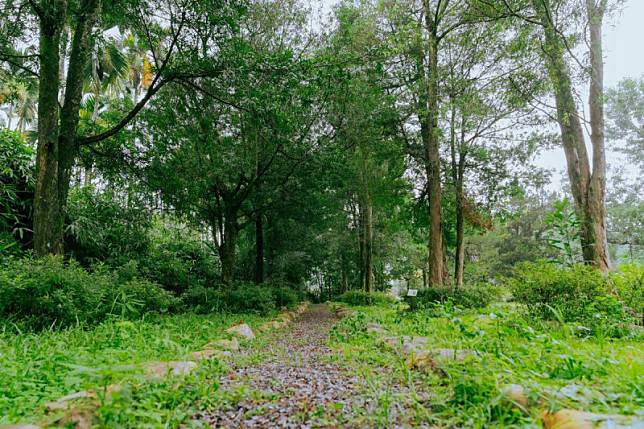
x=47 y=222
x=259 y=249
x=227 y=248
x=57 y=139
x=432 y=151
x=587 y=181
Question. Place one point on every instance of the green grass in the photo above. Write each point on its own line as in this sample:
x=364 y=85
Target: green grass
x=557 y=368
x=42 y=367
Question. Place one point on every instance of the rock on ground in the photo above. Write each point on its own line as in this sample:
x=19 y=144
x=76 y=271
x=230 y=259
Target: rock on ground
x=242 y=330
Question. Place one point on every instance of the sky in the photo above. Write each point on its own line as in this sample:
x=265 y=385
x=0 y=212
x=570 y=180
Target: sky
x=623 y=57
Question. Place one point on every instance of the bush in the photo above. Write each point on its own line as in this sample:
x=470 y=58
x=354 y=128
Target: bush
x=542 y=286
x=102 y=228
x=179 y=262
x=203 y=300
x=472 y=296
x=629 y=285
x=16 y=185
x=284 y=296
x=247 y=297
x=360 y=297
x=46 y=292
x=578 y=294
x=138 y=296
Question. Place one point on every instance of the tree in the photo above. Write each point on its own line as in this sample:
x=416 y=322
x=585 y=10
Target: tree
x=60 y=90
x=558 y=25
x=237 y=140
x=492 y=130
x=625 y=115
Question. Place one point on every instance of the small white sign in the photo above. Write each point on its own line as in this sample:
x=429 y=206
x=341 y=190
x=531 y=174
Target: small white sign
x=412 y=292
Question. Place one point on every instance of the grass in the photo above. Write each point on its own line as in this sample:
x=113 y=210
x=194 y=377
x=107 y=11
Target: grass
x=556 y=368
x=41 y=367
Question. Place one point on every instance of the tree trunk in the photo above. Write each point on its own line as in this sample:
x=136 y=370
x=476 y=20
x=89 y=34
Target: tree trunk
x=78 y=59
x=10 y=115
x=343 y=271
x=597 y=188
x=57 y=146
x=458 y=170
x=459 y=266
x=271 y=246
x=587 y=187
x=47 y=219
x=259 y=249
x=227 y=249
x=432 y=154
x=425 y=278
x=361 y=245
x=368 y=248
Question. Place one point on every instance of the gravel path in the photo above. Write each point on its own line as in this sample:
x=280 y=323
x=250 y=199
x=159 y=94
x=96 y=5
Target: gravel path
x=298 y=386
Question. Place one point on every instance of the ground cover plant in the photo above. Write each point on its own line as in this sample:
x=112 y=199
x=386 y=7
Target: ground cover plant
x=556 y=368
x=44 y=366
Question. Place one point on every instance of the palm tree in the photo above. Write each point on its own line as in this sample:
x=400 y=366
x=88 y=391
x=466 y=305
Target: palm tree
x=20 y=98
x=140 y=70
x=106 y=72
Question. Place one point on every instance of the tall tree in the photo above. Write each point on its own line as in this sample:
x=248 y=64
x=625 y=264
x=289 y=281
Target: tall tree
x=558 y=24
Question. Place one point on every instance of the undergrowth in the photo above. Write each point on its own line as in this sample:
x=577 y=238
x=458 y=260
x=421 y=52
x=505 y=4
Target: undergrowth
x=554 y=365
x=41 y=367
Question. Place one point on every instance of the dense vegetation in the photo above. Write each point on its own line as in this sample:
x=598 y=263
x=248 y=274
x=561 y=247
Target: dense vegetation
x=218 y=160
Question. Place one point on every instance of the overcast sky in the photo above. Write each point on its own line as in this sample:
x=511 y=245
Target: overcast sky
x=624 y=57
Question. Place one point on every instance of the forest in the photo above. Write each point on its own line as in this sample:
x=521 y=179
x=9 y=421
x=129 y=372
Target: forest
x=320 y=213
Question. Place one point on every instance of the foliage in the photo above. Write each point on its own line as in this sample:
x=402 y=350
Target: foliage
x=251 y=298
x=629 y=284
x=177 y=259
x=578 y=294
x=625 y=116
x=477 y=295
x=44 y=366
x=16 y=183
x=563 y=232
x=284 y=296
x=105 y=227
x=360 y=297
x=48 y=293
x=204 y=300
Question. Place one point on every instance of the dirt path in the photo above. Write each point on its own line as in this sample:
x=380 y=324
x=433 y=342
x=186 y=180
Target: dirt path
x=299 y=386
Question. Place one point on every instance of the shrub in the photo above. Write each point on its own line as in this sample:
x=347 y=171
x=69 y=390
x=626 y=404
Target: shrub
x=478 y=295
x=471 y=296
x=578 y=294
x=284 y=296
x=179 y=262
x=138 y=296
x=16 y=185
x=204 y=300
x=360 y=297
x=47 y=292
x=629 y=285
x=247 y=297
x=542 y=286
x=102 y=228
